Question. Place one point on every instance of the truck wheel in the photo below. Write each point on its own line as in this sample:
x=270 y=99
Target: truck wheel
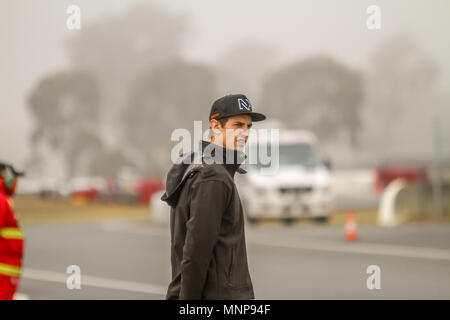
x=251 y=220
x=288 y=221
x=322 y=219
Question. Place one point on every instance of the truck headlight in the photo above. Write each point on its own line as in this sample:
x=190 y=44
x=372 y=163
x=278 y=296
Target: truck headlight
x=261 y=191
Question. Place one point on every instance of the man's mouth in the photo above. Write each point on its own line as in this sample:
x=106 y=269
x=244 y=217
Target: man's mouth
x=241 y=142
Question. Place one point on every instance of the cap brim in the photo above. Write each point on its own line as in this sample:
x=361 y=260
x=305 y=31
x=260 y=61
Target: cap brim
x=17 y=173
x=254 y=115
x=257 y=116
x=10 y=167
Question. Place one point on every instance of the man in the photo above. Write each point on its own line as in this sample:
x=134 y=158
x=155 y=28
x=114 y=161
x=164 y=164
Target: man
x=11 y=237
x=208 y=250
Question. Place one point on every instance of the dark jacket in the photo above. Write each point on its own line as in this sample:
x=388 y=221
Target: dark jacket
x=208 y=250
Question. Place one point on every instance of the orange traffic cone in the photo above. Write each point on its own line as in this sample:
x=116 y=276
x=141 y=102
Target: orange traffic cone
x=351 y=232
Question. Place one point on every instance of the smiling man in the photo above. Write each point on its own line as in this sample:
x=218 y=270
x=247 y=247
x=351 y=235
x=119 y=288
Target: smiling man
x=208 y=250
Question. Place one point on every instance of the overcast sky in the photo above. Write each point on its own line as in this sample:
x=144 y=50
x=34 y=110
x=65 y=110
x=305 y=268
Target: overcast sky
x=32 y=34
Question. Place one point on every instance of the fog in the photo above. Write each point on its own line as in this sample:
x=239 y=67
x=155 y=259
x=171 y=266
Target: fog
x=233 y=46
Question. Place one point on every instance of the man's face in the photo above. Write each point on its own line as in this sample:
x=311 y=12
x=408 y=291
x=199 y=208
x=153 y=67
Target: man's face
x=8 y=182
x=234 y=134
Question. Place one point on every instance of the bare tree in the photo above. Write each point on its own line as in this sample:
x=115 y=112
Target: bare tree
x=118 y=48
x=317 y=94
x=65 y=107
x=72 y=124
x=165 y=98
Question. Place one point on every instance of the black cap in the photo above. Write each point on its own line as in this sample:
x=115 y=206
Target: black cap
x=10 y=167
x=232 y=105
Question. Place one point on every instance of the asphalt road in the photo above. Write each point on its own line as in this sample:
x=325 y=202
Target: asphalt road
x=130 y=260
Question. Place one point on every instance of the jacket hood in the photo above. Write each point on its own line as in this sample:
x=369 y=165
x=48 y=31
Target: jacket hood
x=178 y=173
x=174 y=181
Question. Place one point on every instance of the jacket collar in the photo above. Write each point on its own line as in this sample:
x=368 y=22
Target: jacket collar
x=235 y=157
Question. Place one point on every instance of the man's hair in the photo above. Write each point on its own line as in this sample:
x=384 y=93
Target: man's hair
x=222 y=122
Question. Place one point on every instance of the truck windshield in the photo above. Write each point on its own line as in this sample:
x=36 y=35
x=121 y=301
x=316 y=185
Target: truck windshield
x=293 y=155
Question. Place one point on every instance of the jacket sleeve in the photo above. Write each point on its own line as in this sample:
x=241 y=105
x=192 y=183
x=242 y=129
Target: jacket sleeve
x=209 y=199
x=11 y=236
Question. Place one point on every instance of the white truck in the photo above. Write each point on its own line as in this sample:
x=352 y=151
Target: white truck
x=299 y=188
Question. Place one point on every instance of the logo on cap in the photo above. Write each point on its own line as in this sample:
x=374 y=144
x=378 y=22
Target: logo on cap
x=244 y=104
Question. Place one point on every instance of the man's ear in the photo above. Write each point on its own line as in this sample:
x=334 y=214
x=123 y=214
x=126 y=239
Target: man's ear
x=215 y=127
x=214 y=124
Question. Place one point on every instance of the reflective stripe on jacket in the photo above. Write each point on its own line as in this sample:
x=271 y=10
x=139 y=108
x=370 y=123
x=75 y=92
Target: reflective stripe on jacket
x=11 y=239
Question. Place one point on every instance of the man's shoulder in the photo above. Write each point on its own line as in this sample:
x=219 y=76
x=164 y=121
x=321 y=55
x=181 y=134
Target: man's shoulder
x=213 y=172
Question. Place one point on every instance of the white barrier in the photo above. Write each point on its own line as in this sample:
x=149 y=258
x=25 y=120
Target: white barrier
x=387 y=216
x=402 y=201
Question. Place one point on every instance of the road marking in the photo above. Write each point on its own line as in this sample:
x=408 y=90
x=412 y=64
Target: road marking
x=118 y=227
x=355 y=248
x=91 y=281
x=21 y=296
x=312 y=244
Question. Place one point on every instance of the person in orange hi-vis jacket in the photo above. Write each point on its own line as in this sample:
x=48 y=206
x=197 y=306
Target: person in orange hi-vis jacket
x=11 y=237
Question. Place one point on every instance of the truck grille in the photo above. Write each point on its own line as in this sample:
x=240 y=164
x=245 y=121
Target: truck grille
x=295 y=190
